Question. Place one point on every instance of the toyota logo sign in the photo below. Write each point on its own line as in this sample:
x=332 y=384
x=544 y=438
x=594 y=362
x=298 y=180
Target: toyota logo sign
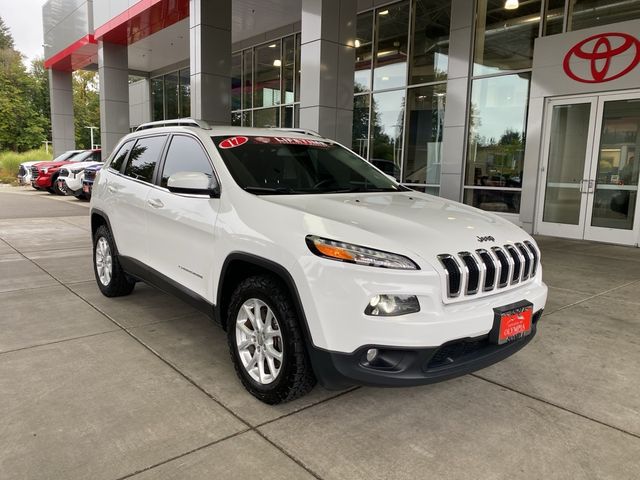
x=609 y=56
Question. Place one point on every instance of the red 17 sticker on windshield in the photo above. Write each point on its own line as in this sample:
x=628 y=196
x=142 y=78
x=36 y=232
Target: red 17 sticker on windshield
x=233 y=142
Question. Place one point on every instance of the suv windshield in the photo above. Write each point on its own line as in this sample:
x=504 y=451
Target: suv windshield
x=288 y=165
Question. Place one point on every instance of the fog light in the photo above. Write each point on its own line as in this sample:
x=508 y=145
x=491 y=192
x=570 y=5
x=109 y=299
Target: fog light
x=372 y=353
x=392 y=305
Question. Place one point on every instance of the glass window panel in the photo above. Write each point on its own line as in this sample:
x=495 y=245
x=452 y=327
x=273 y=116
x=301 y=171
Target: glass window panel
x=497 y=123
x=618 y=166
x=288 y=114
x=288 y=68
x=296 y=116
x=594 y=13
x=569 y=134
x=144 y=157
x=185 y=154
x=266 y=117
x=171 y=95
x=504 y=38
x=185 y=93
x=157 y=98
x=236 y=81
x=390 y=66
x=387 y=117
x=297 y=89
x=364 y=51
x=236 y=119
x=120 y=157
x=247 y=72
x=554 y=17
x=430 y=48
x=493 y=200
x=423 y=156
x=360 y=135
x=267 y=75
x=247 y=119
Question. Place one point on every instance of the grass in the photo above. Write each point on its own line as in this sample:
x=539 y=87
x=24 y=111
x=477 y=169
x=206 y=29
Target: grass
x=10 y=161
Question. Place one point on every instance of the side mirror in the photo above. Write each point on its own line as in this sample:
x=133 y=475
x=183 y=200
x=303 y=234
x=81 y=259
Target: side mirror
x=194 y=183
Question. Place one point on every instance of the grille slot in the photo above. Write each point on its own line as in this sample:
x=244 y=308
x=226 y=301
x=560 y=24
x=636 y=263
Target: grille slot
x=517 y=263
x=490 y=270
x=468 y=273
x=527 y=261
x=534 y=253
x=453 y=274
x=505 y=267
x=473 y=273
x=34 y=172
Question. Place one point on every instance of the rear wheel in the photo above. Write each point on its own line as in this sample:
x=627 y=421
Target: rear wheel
x=266 y=343
x=112 y=280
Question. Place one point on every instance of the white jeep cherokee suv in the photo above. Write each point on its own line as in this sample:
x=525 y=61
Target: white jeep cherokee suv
x=317 y=265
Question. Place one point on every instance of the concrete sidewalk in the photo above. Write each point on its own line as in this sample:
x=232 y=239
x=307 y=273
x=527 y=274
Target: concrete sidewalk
x=143 y=387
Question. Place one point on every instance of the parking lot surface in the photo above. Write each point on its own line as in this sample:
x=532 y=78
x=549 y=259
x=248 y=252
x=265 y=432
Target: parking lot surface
x=142 y=386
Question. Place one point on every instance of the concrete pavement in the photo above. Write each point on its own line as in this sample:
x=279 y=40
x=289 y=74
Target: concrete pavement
x=142 y=386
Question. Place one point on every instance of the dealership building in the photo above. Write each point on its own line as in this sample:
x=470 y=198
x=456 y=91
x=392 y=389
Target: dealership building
x=527 y=108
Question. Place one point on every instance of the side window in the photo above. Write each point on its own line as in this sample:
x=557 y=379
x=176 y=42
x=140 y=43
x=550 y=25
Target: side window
x=97 y=156
x=185 y=154
x=144 y=157
x=119 y=157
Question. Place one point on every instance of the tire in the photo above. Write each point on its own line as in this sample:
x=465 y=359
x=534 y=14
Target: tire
x=294 y=377
x=117 y=283
x=54 y=186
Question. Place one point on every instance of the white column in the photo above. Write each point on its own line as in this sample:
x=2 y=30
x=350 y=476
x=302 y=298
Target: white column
x=62 y=126
x=113 y=69
x=327 y=65
x=455 y=117
x=210 y=60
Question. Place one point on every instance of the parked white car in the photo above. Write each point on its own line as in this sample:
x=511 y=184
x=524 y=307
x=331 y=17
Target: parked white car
x=317 y=264
x=71 y=177
x=24 y=171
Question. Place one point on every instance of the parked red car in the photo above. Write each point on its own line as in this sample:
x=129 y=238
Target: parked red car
x=44 y=175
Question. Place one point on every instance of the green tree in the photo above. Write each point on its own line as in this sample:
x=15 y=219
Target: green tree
x=41 y=99
x=6 y=39
x=86 y=107
x=22 y=126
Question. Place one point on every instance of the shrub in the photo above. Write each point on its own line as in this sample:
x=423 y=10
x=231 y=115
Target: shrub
x=10 y=161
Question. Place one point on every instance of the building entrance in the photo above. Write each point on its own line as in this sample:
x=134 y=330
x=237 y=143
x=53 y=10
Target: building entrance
x=590 y=167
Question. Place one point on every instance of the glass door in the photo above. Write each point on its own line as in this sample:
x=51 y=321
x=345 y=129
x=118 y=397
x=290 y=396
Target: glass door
x=589 y=174
x=568 y=145
x=612 y=213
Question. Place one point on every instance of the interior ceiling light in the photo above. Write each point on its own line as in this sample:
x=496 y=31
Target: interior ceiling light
x=273 y=45
x=277 y=62
x=384 y=12
x=511 y=4
x=357 y=43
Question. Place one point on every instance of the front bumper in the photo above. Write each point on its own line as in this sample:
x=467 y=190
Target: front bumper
x=410 y=366
x=43 y=181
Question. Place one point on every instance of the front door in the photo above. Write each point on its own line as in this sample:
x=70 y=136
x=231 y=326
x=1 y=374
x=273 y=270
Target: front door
x=589 y=187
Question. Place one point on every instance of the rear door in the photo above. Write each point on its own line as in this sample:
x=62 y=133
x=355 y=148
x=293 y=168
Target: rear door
x=181 y=226
x=128 y=190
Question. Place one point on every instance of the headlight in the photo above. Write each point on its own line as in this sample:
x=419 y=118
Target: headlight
x=44 y=169
x=347 y=252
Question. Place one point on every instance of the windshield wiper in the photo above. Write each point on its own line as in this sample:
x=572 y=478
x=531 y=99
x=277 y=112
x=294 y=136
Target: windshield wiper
x=362 y=190
x=269 y=190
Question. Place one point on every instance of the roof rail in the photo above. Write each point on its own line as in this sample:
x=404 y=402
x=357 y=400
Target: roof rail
x=298 y=130
x=178 y=122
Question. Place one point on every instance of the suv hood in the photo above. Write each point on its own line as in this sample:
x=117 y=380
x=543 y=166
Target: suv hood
x=424 y=224
x=51 y=164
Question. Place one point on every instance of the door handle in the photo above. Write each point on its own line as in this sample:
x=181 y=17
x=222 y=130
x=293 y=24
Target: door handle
x=155 y=203
x=112 y=189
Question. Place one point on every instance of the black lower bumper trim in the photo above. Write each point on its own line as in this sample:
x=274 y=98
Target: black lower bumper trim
x=399 y=366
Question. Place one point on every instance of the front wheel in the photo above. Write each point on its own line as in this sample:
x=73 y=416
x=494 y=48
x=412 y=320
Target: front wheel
x=266 y=343
x=112 y=280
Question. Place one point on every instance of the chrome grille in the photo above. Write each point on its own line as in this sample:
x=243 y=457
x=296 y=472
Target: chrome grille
x=469 y=273
x=34 y=172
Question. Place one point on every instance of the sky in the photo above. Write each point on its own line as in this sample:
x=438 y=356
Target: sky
x=24 y=18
